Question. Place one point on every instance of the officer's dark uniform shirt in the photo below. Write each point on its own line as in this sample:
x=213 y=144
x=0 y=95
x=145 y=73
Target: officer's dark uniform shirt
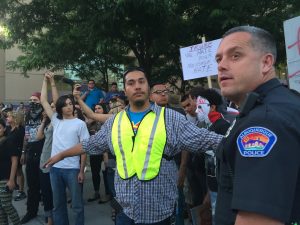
x=259 y=158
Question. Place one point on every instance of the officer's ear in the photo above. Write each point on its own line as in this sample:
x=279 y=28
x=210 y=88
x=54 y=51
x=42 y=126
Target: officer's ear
x=267 y=63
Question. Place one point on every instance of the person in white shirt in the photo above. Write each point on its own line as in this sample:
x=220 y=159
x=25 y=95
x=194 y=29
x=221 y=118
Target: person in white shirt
x=68 y=173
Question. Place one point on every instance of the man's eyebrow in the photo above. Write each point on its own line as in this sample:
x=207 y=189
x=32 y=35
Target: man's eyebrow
x=137 y=79
x=235 y=48
x=130 y=80
x=230 y=50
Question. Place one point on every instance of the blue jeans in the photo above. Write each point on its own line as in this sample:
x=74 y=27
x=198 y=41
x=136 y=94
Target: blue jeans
x=213 y=201
x=60 y=180
x=110 y=181
x=122 y=219
x=180 y=207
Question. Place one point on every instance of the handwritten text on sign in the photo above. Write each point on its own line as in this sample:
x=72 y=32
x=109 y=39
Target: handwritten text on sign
x=199 y=60
x=292 y=43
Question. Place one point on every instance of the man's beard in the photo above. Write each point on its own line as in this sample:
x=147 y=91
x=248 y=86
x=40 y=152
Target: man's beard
x=139 y=103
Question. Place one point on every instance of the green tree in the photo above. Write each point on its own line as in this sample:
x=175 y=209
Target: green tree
x=96 y=36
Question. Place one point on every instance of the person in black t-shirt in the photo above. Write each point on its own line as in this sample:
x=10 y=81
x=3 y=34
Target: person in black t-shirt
x=8 y=168
x=210 y=104
x=17 y=131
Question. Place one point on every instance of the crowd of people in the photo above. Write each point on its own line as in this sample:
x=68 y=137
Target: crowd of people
x=163 y=162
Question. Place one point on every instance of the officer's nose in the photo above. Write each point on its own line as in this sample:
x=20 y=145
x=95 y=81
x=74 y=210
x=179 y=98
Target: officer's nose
x=222 y=64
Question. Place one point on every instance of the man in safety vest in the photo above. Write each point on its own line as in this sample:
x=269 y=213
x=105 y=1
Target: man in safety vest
x=144 y=137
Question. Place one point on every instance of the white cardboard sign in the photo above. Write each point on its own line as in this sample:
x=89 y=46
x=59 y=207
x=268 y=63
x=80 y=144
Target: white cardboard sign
x=292 y=47
x=199 y=60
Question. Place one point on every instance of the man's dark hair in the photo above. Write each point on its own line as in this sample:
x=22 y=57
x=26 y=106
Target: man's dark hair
x=156 y=83
x=91 y=80
x=195 y=92
x=114 y=83
x=261 y=39
x=61 y=102
x=133 y=69
x=212 y=96
x=184 y=97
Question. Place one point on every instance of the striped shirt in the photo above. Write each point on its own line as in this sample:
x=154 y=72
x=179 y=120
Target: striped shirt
x=153 y=201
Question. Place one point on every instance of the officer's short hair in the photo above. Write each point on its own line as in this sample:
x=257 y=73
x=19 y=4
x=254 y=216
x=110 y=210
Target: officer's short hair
x=133 y=69
x=261 y=39
x=154 y=83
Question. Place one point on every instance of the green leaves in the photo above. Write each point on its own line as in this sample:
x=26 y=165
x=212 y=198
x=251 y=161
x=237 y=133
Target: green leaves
x=95 y=37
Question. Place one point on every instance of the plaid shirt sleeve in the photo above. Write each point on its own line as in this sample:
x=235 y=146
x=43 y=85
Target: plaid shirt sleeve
x=98 y=143
x=183 y=134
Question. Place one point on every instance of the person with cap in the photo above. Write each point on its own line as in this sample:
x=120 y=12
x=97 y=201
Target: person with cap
x=31 y=153
x=146 y=175
x=259 y=158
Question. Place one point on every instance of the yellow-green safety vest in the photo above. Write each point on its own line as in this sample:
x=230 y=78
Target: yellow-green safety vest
x=139 y=154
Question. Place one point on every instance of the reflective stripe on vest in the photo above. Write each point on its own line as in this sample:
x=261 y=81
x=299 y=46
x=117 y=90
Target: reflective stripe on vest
x=139 y=154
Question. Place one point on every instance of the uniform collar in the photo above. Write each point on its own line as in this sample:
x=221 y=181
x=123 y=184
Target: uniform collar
x=266 y=87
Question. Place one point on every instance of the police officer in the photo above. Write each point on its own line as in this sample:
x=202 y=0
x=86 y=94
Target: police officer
x=259 y=158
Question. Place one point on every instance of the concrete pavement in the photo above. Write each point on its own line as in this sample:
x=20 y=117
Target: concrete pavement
x=95 y=214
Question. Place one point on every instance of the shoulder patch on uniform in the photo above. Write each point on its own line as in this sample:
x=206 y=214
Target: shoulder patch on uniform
x=256 y=142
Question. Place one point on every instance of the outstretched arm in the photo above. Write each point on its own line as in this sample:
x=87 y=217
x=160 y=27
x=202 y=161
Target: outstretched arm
x=53 y=87
x=75 y=150
x=44 y=99
x=88 y=112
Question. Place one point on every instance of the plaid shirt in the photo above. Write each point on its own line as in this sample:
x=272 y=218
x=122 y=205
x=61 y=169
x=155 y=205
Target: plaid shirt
x=153 y=201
